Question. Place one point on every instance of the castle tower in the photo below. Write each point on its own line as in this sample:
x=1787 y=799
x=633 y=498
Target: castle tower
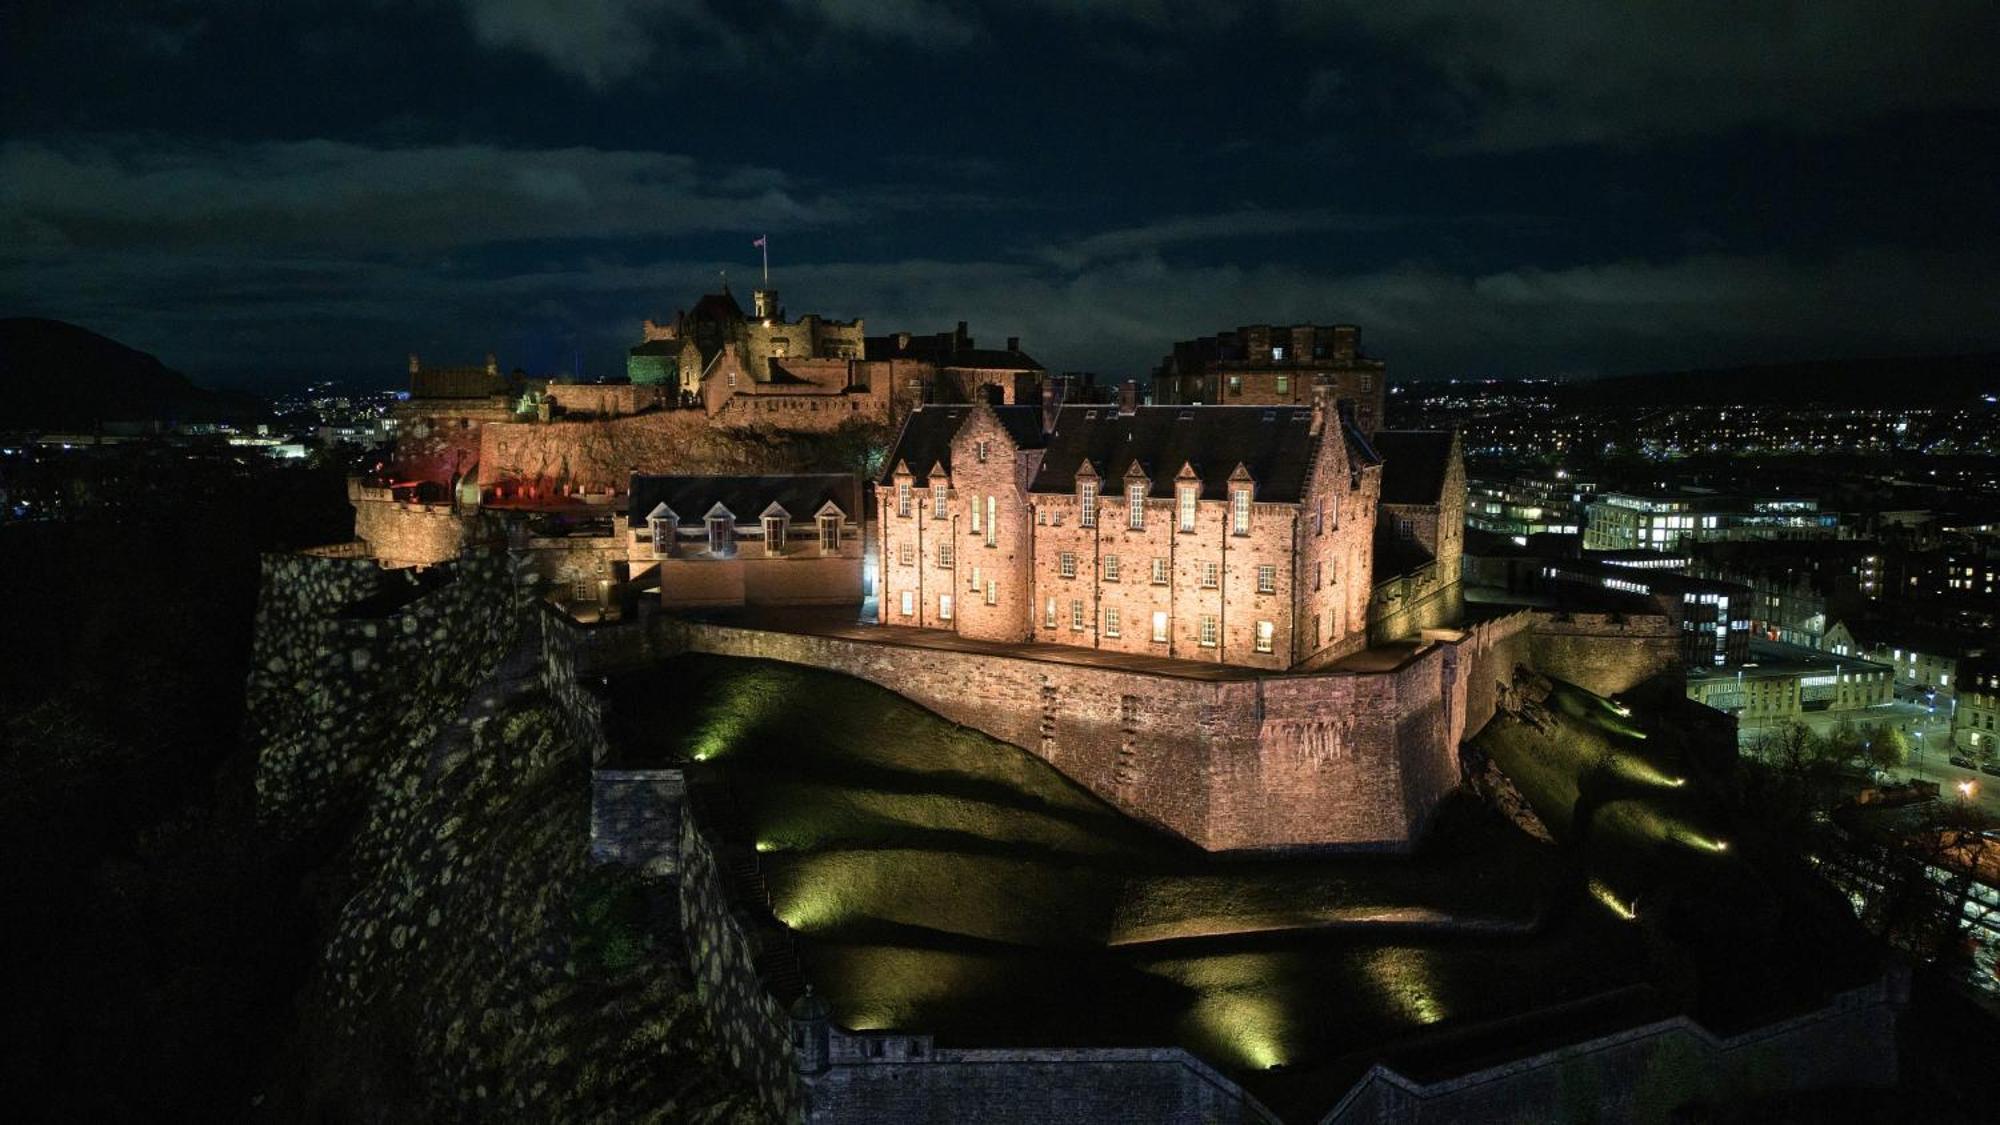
x=811 y=1020
x=764 y=304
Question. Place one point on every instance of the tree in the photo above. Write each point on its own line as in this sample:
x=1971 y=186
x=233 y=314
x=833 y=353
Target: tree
x=1889 y=748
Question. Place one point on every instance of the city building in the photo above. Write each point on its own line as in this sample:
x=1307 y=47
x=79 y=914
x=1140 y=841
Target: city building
x=1238 y=535
x=1779 y=681
x=1670 y=520
x=680 y=355
x=1275 y=365
x=1975 y=719
x=1534 y=504
x=1713 y=616
x=1925 y=658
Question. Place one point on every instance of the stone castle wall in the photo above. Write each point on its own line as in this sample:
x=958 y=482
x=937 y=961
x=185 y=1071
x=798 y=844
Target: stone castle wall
x=1610 y=654
x=1337 y=759
x=411 y=533
x=1647 y=1073
x=600 y=455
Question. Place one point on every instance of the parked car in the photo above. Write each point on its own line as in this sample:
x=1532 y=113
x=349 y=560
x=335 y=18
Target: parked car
x=1963 y=762
x=1991 y=769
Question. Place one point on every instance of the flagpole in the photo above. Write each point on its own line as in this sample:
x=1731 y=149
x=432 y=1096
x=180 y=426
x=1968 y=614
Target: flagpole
x=764 y=244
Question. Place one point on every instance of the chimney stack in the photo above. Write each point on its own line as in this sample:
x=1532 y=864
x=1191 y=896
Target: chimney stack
x=1322 y=404
x=1128 y=397
x=1013 y=343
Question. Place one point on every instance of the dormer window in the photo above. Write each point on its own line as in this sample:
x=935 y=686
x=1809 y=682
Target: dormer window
x=721 y=534
x=1086 y=496
x=903 y=498
x=665 y=525
x=1135 y=501
x=774 y=534
x=829 y=533
x=938 y=500
x=1239 y=511
x=1187 y=496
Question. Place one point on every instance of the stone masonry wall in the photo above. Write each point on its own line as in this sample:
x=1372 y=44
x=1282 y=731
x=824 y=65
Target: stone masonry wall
x=1338 y=759
x=602 y=454
x=407 y=533
x=1646 y=1074
x=1609 y=654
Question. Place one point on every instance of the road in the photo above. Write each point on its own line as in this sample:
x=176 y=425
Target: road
x=1929 y=754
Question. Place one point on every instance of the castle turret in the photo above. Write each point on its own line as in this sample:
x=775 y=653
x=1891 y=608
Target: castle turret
x=764 y=303
x=811 y=1021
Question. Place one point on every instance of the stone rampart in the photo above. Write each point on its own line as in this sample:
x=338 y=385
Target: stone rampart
x=1338 y=759
x=411 y=532
x=1610 y=654
x=1647 y=1073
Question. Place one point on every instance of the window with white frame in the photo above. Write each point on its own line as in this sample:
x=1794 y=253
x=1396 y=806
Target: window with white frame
x=1239 y=511
x=774 y=534
x=1267 y=579
x=945 y=553
x=906 y=554
x=721 y=535
x=1187 y=496
x=972 y=580
x=1086 y=498
x=992 y=592
x=1211 y=576
x=1160 y=626
x=902 y=498
x=1049 y=614
x=1066 y=564
x=1135 y=502
x=1267 y=634
x=938 y=500
x=909 y=603
x=992 y=521
x=1208 y=630
x=664 y=530
x=829 y=533
x=1159 y=572
x=1076 y=615
x=1111 y=568
x=944 y=607
x=978 y=525
x=1111 y=621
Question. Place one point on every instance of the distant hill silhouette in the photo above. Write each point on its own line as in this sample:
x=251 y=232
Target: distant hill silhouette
x=1882 y=381
x=57 y=376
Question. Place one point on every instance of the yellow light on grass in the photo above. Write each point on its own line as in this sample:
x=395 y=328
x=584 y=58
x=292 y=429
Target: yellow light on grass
x=1604 y=895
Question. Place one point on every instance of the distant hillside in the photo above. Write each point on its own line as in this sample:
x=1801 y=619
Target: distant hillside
x=57 y=376
x=1890 y=380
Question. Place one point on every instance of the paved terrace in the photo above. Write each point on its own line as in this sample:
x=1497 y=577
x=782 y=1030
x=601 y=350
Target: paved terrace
x=847 y=623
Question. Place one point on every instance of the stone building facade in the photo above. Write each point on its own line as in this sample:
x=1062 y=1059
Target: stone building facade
x=763 y=540
x=1275 y=365
x=1234 y=535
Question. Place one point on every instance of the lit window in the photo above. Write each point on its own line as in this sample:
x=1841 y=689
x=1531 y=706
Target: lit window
x=992 y=592
x=902 y=498
x=1076 y=615
x=909 y=603
x=663 y=537
x=1284 y=381
x=937 y=500
x=1210 y=574
x=1159 y=572
x=1267 y=579
x=1066 y=564
x=1278 y=355
x=721 y=536
x=1135 y=500
x=1267 y=632
x=992 y=522
x=1111 y=621
x=774 y=534
x=1187 y=500
x=1159 y=626
x=1236 y=384
x=1049 y=614
x=1239 y=516
x=1087 y=498
x=1208 y=630
x=944 y=607
x=1111 y=568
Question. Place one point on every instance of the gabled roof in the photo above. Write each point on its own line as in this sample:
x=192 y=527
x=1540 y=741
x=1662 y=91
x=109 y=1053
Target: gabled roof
x=926 y=438
x=717 y=306
x=743 y=495
x=1414 y=465
x=1274 y=443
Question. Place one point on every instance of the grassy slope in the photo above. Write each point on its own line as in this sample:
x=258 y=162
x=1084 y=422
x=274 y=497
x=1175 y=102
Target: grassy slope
x=943 y=881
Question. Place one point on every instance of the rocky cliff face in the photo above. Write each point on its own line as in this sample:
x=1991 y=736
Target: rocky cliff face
x=471 y=967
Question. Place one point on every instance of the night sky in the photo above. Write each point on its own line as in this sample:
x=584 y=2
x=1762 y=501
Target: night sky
x=263 y=192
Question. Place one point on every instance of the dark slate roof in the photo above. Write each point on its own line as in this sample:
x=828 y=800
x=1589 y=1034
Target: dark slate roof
x=927 y=434
x=717 y=306
x=1274 y=443
x=745 y=497
x=945 y=350
x=1414 y=463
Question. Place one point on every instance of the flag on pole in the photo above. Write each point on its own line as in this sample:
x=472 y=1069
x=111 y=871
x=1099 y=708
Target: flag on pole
x=762 y=240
